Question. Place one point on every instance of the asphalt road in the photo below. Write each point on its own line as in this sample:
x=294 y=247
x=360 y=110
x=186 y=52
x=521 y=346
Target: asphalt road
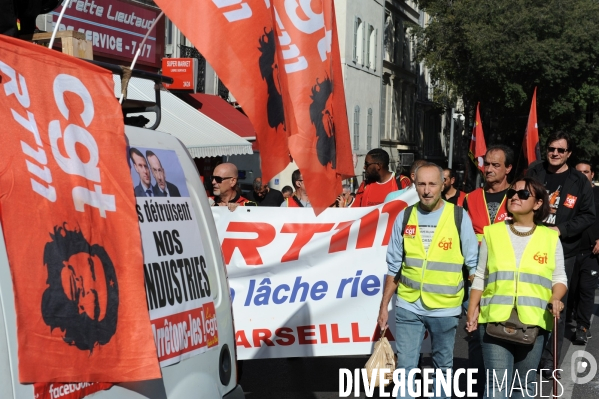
x=318 y=378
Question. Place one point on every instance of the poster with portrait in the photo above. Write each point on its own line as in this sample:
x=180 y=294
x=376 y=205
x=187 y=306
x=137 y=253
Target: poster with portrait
x=178 y=290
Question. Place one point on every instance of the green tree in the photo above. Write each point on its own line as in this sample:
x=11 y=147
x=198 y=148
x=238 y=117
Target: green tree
x=497 y=51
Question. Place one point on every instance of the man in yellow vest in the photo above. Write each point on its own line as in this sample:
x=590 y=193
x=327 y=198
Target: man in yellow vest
x=424 y=259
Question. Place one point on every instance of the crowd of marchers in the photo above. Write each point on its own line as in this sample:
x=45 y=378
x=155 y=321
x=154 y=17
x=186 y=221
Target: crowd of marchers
x=511 y=256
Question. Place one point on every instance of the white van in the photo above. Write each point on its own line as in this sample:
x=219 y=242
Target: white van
x=210 y=373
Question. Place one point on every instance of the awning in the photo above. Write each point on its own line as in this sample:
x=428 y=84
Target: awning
x=224 y=113
x=202 y=136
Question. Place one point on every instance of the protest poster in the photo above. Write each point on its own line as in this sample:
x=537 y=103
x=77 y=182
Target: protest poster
x=178 y=290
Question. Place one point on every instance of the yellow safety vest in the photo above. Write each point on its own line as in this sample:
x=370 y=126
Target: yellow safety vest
x=532 y=279
x=434 y=275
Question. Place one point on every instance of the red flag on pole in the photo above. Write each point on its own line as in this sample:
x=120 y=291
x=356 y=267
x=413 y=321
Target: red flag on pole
x=530 y=145
x=290 y=84
x=67 y=212
x=313 y=96
x=478 y=147
x=238 y=40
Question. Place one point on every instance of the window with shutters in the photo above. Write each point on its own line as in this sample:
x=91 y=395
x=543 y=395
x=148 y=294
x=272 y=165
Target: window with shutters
x=373 y=46
x=357 y=23
x=369 y=130
x=360 y=43
x=382 y=132
x=357 y=128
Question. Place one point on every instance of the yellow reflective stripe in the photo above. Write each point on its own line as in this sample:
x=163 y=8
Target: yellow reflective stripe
x=536 y=279
x=532 y=301
x=442 y=289
x=444 y=267
x=497 y=300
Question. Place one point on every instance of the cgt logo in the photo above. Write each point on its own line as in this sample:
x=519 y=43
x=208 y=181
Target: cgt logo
x=541 y=258
x=410 y=231
x=445 y=244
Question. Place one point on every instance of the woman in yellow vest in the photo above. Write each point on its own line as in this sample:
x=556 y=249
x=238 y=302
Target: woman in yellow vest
x=521 y=267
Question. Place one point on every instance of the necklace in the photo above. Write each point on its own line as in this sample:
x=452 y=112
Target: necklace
x=522 y=234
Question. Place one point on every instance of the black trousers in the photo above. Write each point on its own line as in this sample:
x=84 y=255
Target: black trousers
x=547 y=357
x=582 y=288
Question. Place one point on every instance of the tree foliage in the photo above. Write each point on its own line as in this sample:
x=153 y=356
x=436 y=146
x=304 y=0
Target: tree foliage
x=497 y=51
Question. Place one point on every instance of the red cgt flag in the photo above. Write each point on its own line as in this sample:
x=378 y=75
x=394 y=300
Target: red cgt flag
x=530 y=145
x=69 y=222
x=313 y=96
x=478 y=147
x=238 y=40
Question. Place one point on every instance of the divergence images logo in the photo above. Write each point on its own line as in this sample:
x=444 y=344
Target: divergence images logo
x=541 y=258
x=583 y=367
x=445 y=244
x=82 y=296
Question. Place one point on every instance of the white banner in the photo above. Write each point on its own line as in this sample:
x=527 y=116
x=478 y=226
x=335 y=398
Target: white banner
x=304 y=285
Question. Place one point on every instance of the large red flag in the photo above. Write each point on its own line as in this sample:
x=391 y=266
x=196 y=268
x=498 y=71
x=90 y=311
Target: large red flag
x=313 y=96
x=530 y=145
x=478 y=147
x=290 y=85
x=238 y=40
x=69 y=222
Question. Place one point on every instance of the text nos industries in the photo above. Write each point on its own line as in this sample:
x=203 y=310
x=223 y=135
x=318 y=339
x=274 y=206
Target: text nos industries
x=185 y=332
x=176 y=280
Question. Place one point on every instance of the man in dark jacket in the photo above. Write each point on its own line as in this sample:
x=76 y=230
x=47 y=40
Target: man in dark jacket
x=264 y=195
x=586 y=271
x=572 y=212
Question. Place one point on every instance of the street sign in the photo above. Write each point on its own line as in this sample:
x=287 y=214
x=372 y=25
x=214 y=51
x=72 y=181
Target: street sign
x=183 y=71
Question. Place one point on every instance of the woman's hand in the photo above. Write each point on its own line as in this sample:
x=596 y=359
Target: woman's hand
x=472 y=318
x=556 y=306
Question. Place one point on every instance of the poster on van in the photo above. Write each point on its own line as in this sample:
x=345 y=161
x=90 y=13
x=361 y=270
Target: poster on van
x=177 y=286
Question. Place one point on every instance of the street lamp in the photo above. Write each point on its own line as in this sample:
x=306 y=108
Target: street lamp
x=454 y=117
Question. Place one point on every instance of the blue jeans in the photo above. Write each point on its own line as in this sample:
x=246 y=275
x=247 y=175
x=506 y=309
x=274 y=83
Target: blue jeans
x=409 y=333
x=475 y=355
x=503 y=358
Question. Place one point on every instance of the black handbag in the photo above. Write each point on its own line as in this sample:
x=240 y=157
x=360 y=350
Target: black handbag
x=513 y=330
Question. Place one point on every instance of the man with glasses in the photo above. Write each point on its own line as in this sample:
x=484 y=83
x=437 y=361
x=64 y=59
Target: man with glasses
x=572 y=212
x=224 y=187
x=378 y=180
x=299 y=199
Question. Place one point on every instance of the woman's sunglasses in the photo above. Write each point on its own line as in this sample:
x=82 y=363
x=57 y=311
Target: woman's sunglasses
x=522 y=194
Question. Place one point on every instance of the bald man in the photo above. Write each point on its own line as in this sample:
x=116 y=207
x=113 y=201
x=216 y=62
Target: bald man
x=224 y=187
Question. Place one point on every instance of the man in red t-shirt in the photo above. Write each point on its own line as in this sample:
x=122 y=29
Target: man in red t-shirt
x=379 y=181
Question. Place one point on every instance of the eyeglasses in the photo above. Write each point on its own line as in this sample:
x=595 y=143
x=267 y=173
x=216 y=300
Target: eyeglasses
x=367 y=164
x=219 y=179
x=553 y=149
x=522 y=194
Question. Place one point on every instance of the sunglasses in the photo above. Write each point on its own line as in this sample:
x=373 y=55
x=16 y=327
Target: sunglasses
x=522 y=194
x=219 y=179
x=367 y=164
x=553 y=149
